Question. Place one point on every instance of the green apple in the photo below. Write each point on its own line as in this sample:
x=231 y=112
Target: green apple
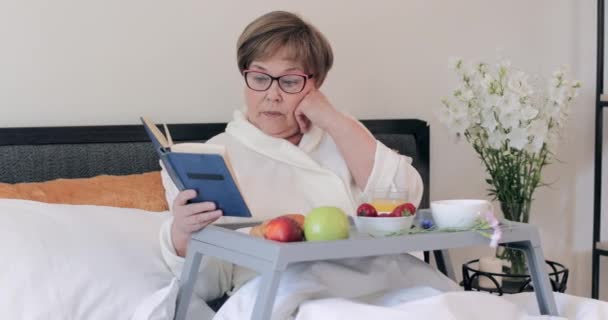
x=325 y=224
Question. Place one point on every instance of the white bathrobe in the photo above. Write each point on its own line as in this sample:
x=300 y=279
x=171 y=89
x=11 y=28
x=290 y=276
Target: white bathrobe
x=278 y=177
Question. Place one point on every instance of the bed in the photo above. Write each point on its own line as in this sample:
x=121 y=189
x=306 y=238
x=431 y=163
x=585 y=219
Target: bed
x=93 y=252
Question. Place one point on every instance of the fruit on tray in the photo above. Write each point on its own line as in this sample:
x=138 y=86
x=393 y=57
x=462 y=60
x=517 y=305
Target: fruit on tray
x=299 y=218
x=366 y=210
x=325 y=224
x=404 y=210
x=260 y=230
x=283 y=229
x=385 y=210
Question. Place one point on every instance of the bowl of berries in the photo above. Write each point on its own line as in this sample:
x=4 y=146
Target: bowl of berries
x=385 y=216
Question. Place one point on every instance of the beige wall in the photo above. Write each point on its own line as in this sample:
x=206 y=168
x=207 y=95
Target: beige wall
x=69 y=62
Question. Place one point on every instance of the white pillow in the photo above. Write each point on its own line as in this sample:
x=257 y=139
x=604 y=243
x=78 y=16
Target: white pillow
x=77 y=261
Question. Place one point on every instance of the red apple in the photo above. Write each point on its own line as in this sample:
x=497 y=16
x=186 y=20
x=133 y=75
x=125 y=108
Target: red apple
x=283 y=229
x=299 y=218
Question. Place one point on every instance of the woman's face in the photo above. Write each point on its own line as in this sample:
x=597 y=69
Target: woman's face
x=272 y=111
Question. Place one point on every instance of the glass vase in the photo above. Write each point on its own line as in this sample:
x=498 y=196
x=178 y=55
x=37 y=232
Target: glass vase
x=516 y=260
x=517 y=211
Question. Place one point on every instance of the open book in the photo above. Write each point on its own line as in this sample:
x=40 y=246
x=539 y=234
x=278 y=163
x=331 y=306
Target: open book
x=202 y=167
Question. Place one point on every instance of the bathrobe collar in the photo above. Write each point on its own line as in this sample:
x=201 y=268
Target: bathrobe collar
x=276 y=148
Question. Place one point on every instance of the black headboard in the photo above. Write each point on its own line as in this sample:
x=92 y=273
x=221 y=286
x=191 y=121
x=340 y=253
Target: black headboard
x=46 y=153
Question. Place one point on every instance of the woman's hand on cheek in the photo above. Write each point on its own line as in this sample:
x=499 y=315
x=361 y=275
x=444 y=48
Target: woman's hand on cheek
x=303 y=122
x=316 y=109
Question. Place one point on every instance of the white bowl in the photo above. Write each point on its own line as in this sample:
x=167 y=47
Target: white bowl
x=382 y=226
x=460 y=213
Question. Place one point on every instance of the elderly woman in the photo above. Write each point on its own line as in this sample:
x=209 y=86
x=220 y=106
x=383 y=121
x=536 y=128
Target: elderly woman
x=291 y=149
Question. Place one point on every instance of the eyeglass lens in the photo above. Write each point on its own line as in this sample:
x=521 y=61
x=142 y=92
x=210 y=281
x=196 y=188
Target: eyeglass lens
x=290 y=83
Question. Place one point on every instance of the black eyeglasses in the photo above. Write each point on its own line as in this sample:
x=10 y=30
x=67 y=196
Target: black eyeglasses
x=289 y=83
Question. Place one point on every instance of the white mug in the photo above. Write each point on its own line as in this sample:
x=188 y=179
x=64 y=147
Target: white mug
x=458 y=213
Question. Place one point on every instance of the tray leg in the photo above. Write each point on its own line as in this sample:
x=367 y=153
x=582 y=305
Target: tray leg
x=595 y=275
x=540 y=278
x=265 y=299
x=444 y=263
x=186 y=283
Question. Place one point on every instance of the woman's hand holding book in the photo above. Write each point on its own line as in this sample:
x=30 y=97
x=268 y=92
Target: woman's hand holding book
x=189 y=218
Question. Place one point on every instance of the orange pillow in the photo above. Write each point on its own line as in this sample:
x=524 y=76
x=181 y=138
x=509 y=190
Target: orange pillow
x=141 y=191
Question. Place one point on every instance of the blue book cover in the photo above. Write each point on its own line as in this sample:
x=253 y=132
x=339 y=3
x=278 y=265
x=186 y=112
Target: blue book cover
x=208 y=173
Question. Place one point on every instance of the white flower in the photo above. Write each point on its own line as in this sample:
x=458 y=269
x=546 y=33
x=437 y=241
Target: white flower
x=558 y=95
x=454 y=63
x=573 y=92
x=509 y=120
x=496 y=139
x=474 y=115
x=561 y=72
x=518 y=138
x=496 y=104
x=468 y=95
x=488 y=120
x=458 y=111
x=537 y=130
x=558 y=73
x=482 y=68
x=536 y=145
x=509 y=115
x=495 y=238
x=518 y=83
x=487 y=80
x=504 y=64
x=459 y=125
x=558 y=79
x=529 y=113
x=469 y=69
x=509 y=102
x=491 y=102
x=554 y=112
x=475 y=130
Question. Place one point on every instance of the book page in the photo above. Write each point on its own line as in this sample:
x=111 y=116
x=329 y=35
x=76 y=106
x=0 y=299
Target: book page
x=199 y=147
x=160 y=137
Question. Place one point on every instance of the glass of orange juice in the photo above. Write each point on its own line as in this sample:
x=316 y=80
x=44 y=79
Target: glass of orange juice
x=385 y=200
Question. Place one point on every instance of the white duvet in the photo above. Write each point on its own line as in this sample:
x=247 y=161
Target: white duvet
x=313 y=291
x=358 y=297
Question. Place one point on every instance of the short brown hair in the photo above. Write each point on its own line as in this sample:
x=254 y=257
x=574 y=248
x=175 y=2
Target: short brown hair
x=277 y=30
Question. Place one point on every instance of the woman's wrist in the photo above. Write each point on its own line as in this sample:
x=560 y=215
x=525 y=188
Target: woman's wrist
x=180 y=241
x=330 y=121
x=334 y=122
